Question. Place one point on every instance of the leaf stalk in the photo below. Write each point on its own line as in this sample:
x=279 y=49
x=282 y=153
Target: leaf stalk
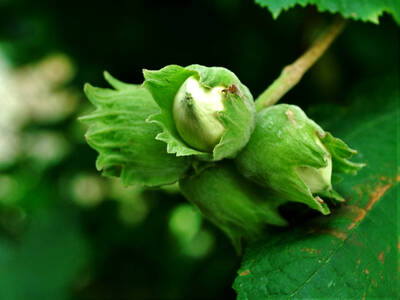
x=292 y=74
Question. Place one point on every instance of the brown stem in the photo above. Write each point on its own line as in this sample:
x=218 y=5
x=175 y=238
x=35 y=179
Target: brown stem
x=293 y=73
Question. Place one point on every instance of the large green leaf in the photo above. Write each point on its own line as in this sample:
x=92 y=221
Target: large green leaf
x=126 y=142
x=369 y=10
x=351 y=254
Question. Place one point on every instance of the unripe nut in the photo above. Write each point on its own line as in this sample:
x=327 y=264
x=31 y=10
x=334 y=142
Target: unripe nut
x=195 y=113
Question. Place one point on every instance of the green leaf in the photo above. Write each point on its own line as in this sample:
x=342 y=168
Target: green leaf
x=125 y=141
x=352 y=254
x=369 y=10
x=238 y=116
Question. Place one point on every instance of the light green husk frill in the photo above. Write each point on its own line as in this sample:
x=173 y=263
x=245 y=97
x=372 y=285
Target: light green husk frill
x=206 y=112
x=126 y=143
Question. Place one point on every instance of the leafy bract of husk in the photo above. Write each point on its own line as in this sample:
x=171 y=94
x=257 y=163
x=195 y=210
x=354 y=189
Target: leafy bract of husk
x=284 y=140
x=238 y=116
x=125 y=141
x=340 y=154
x=236 y=205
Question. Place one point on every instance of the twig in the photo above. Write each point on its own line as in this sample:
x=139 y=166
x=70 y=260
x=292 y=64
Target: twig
x=293 y=73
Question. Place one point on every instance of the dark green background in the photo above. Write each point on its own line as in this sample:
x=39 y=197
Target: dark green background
x=52 y=247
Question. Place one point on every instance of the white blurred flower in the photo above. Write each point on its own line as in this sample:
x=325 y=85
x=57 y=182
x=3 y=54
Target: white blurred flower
x=32 y=93
x=88 y=190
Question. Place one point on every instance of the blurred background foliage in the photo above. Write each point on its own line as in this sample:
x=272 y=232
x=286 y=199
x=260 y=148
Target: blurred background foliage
x=68 y=233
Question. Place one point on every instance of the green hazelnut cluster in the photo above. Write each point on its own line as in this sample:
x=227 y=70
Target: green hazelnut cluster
x=198 y=125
